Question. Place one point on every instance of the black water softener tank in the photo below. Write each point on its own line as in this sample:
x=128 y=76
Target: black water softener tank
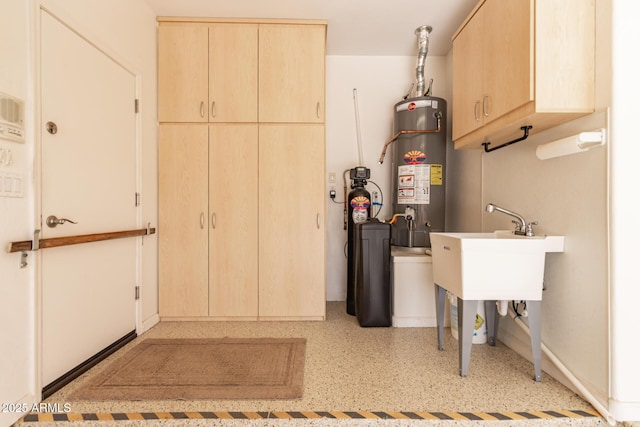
x=360 y=210
x=373 y=273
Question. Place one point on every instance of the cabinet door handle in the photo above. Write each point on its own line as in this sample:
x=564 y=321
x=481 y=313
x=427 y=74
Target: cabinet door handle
x=476 y=109
x=202 y=220
x=485 y=105
x=201 y=108
x=318 y=221
x=318 y=109
x=213 y=109
x=213 y=220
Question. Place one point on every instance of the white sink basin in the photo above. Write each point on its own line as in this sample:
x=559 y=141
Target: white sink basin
x=492 y=266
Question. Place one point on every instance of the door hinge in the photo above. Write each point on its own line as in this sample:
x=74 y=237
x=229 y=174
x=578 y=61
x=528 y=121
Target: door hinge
x=136 y=105
x=137 y=199
x=137 y=293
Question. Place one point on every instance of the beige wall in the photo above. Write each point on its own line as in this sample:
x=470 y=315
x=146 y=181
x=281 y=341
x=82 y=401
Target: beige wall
x=125 y=29
x=567 y=196
x=381 y=83
x=16 y=216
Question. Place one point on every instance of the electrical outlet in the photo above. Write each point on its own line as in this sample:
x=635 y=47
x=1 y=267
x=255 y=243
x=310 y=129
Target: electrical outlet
x=332 y=177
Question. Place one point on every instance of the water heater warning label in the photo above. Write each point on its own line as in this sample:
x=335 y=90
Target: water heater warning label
x=436 y=174
x=414 y=184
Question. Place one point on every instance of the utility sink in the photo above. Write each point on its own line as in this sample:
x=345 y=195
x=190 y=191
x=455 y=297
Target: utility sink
x=492 y=266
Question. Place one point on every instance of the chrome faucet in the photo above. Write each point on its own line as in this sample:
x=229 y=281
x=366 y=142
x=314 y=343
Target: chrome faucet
x=522 y=228
x=410 y=217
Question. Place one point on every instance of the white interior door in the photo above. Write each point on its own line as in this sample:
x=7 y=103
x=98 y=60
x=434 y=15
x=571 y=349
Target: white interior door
x=88 y=176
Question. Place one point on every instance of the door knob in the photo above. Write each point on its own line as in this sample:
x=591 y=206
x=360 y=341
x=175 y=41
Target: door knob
x=52 y=221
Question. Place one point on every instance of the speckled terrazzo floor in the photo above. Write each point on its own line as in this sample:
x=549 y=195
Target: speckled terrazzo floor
x=349 y=368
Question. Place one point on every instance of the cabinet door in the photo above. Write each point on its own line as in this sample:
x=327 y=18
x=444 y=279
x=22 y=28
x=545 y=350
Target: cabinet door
x=291 y=230
x=468 y=94
x=291 y=73
x=508 y=52
x=233 y=73
x=182 y=72
x=233 y=203
x=182 y=220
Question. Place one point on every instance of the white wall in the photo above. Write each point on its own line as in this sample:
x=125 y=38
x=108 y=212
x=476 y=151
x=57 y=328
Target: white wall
x=127 y=30
x=16 y=217
x=624 y=401
x=567 y=196
x=381 y=82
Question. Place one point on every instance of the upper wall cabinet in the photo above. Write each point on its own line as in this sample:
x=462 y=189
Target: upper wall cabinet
x=207 y=72
x=183 y=80
x=522 y=63
x=249 y=71
x=291 y=73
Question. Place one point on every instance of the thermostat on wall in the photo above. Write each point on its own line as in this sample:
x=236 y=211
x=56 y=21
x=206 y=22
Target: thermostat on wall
x=11 y=118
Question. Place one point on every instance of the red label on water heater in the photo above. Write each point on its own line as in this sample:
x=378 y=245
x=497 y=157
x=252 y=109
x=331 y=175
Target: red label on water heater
x=414 y=157
x=411 y=106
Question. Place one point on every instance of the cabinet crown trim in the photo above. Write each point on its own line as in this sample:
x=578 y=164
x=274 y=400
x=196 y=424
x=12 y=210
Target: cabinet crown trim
x=241 y=20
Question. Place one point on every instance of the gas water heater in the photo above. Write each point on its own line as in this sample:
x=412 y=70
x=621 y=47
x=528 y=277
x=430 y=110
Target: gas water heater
x=418 y=159
x=418 y=170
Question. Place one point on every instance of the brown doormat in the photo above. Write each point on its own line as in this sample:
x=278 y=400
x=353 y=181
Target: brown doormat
x=202 y=369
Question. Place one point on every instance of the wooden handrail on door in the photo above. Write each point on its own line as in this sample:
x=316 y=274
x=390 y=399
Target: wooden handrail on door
x=28 y=245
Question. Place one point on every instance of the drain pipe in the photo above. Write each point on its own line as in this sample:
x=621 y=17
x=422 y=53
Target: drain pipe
x=357 y=113
x=567 y=373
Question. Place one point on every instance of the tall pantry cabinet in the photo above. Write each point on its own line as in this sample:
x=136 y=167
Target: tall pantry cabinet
x=241 y=169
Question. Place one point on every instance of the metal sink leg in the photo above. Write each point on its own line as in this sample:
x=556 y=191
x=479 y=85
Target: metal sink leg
x=467 y=310
x=440 y=300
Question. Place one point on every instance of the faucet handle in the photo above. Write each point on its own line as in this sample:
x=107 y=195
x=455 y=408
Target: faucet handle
x=517 y=223
x=529 y=231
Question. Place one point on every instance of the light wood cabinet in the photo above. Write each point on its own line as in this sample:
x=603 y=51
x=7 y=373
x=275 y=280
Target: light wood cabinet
x=242 y=234
x=467 y=79
x=208 y=229
x=207 y=72
x=233 y=233
x=216 y=72
x=183 y=80
x=233 y=76
x=518 y=63
x=292 y=73
x=291 y=204
x=182 y=220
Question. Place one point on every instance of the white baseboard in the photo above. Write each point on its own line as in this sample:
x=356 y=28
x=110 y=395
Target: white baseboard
x=414 y=322
x=521 y=344
x=12 y=412
x=624 y=411
x=149 y=323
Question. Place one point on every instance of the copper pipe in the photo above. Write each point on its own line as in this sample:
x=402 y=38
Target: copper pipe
x=406 y=132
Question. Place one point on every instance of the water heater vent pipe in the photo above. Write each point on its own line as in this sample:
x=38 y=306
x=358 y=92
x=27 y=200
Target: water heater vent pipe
x=423 y=49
